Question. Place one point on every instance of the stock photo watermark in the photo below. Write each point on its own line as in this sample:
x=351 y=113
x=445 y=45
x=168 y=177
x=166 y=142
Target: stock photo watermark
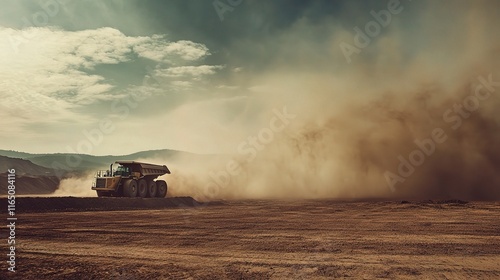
x=40 y=18
x=94 y=137
x=373 y=28
x=249 y=149
x=455 y=118
x=106 y=126
x=223 y=6
x=11 y=219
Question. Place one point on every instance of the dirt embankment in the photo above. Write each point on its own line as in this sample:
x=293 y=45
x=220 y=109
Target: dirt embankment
x=48 y=204
x=32 y=184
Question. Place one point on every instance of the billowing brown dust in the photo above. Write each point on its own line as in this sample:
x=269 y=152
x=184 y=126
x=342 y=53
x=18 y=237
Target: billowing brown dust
x=351 y=132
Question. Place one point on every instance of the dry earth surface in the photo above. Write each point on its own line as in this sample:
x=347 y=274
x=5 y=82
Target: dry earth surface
x=260 y=240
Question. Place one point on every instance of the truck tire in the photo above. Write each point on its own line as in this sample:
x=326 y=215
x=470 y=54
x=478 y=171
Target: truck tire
x=152 y=189
x=162 y=188
x=142 y=188
x=130 y=188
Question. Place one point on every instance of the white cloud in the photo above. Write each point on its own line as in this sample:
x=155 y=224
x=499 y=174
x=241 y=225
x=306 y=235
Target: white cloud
x=101 y=46
x=56 y=62
x=181 y=84
x=48 y=75
x=183 y=71
x=156 y=48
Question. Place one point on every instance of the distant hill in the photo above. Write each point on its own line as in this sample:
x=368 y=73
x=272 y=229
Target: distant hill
x=30 y=178
x=23 y=166
x=79 y=162
x=14 y=154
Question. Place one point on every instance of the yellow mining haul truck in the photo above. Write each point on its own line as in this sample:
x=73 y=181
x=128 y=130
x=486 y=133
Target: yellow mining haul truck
x=131 y=179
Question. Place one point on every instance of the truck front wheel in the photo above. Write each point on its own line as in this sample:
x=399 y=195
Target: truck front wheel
x=130 y=188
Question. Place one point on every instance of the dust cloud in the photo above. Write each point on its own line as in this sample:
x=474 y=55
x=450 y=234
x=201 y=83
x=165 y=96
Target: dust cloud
x=76 y=186
x=392 y=124
x=357 y=151
x=413 y=116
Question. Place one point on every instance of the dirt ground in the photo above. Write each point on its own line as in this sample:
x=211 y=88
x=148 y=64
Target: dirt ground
x=263 y=240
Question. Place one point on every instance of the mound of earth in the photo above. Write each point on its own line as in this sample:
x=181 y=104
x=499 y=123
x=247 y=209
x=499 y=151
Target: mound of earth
x=24 y=167
x=47 y=204
x=31 y=184
x=30 y=178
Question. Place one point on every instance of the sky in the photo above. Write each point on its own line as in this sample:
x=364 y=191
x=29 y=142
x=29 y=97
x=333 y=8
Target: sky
x=68 y=66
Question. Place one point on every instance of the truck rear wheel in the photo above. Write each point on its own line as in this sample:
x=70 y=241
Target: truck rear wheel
x=130 y=188
x=152 y=189
x=162 y=188
x=142 y=188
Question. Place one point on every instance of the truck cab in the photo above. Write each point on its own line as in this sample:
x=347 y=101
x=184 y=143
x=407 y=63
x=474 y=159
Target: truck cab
x=122 y=171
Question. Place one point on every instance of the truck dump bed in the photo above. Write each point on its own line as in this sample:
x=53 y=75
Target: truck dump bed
x=146 y=169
